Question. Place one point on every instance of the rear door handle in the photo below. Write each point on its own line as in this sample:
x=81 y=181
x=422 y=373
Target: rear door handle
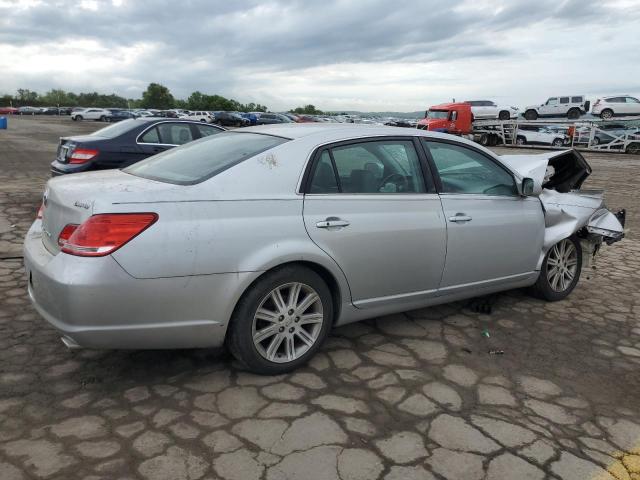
x=460 y=218
x=332 y=222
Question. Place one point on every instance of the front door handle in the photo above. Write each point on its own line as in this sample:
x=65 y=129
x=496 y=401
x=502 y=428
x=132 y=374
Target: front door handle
x=460 y=218
x=332 y=222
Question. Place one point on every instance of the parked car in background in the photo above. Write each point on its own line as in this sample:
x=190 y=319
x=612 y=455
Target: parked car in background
x=166 y=114
x=570 y=106
x=291 y=116
x=125 y=143
x=50 y=111
x=8 y=111
x=100 y=114
x=488 y=109
x=252 y=117
x=29 y=110
x=264 y=239
x=231 y=119
x=200 y=116
x=307 y=119
x=119 y=115
x=540 y=135
x=608 y=132
x=609 y=107
x=268 y=118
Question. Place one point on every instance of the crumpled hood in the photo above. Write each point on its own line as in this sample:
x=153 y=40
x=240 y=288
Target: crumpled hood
x=568 y=169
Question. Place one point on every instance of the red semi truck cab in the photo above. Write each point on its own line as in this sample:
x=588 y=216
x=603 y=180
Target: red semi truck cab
x=454 y=118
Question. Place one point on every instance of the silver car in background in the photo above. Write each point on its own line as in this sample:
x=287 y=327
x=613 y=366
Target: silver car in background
x=263 y=239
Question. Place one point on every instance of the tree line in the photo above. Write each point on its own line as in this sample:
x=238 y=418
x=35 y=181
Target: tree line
x=155 y=96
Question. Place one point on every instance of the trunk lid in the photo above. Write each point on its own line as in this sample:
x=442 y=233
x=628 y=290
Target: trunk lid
x=68 y=144
x=71 y=199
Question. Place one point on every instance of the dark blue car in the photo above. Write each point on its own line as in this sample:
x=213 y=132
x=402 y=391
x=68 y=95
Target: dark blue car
x=126 y=142
x=119 y=115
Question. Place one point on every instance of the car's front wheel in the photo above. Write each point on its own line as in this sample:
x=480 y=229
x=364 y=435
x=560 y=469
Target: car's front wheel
x=504 y=115
x=557 y=142
x=606 y=114
x=520 y=140
x=281 y=321
x=531 y=115
x=560 y=270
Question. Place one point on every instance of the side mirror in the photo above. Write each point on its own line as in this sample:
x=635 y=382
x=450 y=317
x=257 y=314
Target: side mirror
x=527 y=187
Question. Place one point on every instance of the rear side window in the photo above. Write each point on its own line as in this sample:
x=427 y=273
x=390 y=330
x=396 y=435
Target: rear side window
x=576 y=99
x=150 y=136
x=175 y=133
x=564 y=99
x=377 y=167
x=197 y=161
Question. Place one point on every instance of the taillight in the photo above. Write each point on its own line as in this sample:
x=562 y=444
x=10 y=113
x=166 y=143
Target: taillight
x=104 y=233
x=82 y=155
x=66 y=233
x=40 y=212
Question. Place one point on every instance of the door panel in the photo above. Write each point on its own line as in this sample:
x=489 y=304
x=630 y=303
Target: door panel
x=502 y=238
x=391 y=245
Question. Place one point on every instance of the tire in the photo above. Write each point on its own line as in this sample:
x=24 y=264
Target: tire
x=573 y=114
x=103 y=118
x=78 y=117
x=596 y=141
x=283 y=336
x=504 y=115
x=553 y=286
x=484 y=139
x=633 y=148
x=520 y=140
x=203 y=120
x=557 y=142
x=606 y=114
x=531 y=115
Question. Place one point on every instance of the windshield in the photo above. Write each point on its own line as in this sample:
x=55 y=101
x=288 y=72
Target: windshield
x=200 y=160
x=115 y=130
x=441 y=114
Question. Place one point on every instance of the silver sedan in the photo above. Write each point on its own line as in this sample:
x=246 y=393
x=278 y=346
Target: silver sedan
x=263 y=239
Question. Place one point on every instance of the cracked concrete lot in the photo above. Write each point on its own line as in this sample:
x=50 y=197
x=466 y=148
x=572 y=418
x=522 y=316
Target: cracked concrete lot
x=410 y=396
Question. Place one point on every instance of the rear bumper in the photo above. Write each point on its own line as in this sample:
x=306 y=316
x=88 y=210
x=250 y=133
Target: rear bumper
x=94 y=303
x=58 y=168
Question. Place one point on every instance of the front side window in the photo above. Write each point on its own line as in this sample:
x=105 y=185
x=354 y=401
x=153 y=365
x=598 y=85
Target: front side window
x=377 y=167
x=552 y=101
x=197 y=161
x=463 y=170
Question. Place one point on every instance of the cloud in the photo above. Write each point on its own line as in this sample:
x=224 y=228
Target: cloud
x=333 y=53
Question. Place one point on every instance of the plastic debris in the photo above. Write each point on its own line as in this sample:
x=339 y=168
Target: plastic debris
x=485 y=333
x=496 y=352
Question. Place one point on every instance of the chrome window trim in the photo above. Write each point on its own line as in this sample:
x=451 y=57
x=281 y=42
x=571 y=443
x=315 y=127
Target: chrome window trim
x=188 y=122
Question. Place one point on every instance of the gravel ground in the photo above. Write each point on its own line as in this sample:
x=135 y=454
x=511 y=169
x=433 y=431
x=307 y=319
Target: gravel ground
x=409 y=396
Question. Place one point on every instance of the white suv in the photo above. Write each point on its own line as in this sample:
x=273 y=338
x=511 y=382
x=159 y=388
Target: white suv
x=570 y=106
x=91 y=114
x=489 y=109
x=200 y=116
x=607 y=107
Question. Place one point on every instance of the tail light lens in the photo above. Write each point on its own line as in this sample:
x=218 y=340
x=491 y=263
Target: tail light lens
x=103 y=234
x=40 y=212
x=66 y=233
x=82 y=155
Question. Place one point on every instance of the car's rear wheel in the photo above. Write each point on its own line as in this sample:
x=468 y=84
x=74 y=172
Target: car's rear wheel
x=504 y=115
x=531 y=115
x=557 y=142
x=103 y=118
x=560 y=270
x=78 y=117
x=573 y=114
x=606 y=113
x=520 y=140
x=281 y=321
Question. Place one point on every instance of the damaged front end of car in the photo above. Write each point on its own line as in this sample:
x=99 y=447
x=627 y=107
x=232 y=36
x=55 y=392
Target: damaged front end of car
x=568 y=210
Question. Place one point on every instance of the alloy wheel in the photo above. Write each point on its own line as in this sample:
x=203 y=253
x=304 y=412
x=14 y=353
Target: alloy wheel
x=562 y=265
x=287 y=323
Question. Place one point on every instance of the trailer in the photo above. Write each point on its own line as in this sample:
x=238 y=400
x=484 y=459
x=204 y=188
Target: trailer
x=618 y=135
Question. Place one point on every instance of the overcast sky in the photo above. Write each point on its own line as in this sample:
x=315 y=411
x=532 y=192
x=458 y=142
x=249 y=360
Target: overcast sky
x=372 y=55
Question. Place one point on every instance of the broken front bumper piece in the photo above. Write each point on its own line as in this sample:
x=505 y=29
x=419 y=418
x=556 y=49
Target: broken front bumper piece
x=607 y=224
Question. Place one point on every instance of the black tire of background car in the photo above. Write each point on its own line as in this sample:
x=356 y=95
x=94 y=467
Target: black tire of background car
x=78 y=117
x=239 y=339
x=531 y=115
x=606 y=113
x=520 y=140
x=504 y=115
x=596 y=141
x=103 y=118
x=542 y=289
x=557 y=142
x=633 y=148
x=484 y=139
x=573 y=113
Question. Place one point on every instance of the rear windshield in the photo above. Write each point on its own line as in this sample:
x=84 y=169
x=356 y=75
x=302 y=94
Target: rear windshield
x=197 y=161
x=116 y=129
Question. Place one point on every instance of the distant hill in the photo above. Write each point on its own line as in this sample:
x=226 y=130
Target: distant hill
x=385 y=114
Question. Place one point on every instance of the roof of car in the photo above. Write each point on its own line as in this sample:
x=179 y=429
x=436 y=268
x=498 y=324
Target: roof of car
x=331 y=131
